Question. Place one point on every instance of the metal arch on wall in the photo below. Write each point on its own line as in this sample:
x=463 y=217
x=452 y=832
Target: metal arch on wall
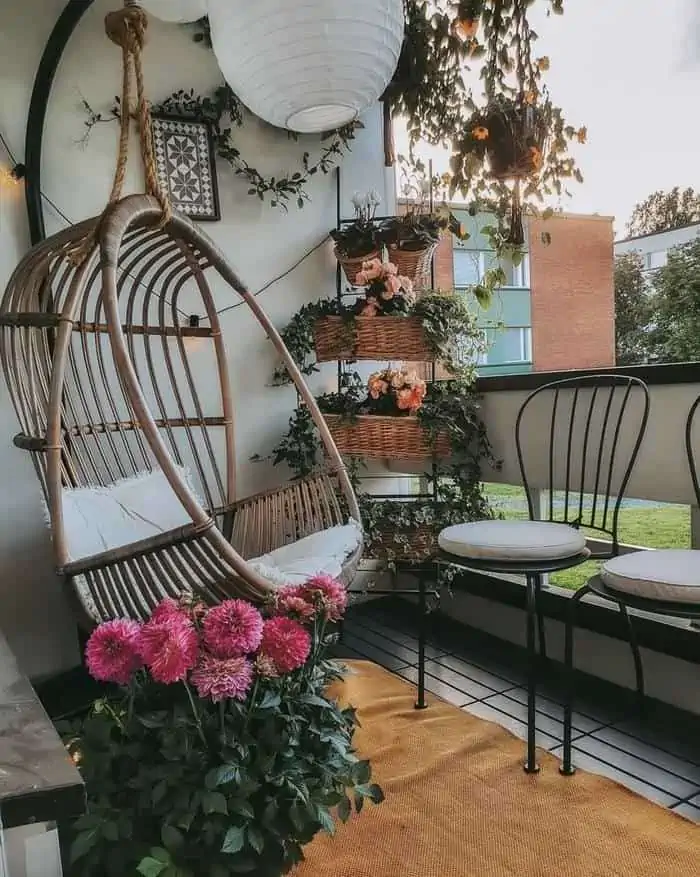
x=36 y=117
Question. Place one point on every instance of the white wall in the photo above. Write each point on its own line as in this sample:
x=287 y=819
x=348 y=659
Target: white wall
x=261 y=242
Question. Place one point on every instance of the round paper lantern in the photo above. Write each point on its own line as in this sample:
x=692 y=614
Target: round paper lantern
x=178 y=11
x=307 y=65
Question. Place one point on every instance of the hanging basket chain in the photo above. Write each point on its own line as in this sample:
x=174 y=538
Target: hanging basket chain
x=127 y=29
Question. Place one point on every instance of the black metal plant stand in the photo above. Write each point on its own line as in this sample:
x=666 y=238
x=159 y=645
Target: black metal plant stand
x=595 y=585
x=421 y=570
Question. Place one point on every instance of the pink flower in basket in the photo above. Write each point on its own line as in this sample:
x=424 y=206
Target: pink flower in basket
x=111 y=653
x=392 y=286
x=369 y=309
x=410 y=398
x=361 y=278
x=372 y=269
x=390 y=269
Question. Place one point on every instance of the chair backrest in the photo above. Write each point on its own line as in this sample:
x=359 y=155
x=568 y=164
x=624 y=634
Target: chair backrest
x=691 y=442
x=578 y=439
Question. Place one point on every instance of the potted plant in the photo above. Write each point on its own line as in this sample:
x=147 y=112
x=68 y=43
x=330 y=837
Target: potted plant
x=356 y=242
x=222 y=751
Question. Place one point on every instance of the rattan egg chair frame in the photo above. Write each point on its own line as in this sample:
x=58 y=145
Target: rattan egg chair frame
x=94 y=411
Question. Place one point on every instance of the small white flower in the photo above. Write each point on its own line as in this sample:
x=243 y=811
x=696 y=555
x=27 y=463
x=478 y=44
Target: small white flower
x=357 y=200
x=374 y=198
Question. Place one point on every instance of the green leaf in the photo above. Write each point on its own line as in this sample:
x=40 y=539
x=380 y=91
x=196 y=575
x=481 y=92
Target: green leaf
x=234 y=840
x=83 y=843
x=150 y=867
x=171 y=837
x=363 y=771
x=256 y=838
x=325 y=820
x=110 y=831
x=214 y=802
x=344 y=809
x=227 y=773
x=271 y=700
x=376 y=794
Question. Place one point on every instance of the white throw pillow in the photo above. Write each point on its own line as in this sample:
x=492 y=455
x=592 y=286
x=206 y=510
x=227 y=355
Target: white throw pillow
x=97 y=519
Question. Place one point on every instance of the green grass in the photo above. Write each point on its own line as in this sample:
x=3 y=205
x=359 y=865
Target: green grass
x=661 y=525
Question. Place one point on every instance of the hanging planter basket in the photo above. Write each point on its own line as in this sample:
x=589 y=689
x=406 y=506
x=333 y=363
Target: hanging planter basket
x=374 y=338
x=376 y=437
x=352 y=265
x=516 y=143
x=413 y=263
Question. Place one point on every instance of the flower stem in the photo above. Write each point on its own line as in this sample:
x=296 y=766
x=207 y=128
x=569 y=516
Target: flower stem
x=251 y=705
x=195 y=713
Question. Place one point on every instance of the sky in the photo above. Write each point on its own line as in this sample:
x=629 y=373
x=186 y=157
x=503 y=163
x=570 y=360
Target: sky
x=629 y=70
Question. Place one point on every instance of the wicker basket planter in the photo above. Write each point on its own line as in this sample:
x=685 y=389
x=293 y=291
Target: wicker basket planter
x=352 y=265
x=377 y=437
x=374 y=338
x=415 y=544
x=517 y=138
x=414 y=264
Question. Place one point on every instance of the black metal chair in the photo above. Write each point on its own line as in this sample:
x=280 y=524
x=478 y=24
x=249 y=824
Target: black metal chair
x=577 y=438
x=661 y=581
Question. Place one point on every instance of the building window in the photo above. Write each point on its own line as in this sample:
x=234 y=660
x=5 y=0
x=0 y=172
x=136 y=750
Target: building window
x=468 y=267
x=652 y=261
x=509 y=345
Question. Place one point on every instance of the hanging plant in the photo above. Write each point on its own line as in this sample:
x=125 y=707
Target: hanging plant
x=513 y=149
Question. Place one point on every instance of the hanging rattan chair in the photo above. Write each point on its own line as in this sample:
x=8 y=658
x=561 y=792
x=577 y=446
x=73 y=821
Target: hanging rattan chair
x=100 y=364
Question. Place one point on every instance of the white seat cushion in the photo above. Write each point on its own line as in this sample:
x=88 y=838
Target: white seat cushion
x=322 y=553
x=666 y=574
x=97 y=519
x=512 y=541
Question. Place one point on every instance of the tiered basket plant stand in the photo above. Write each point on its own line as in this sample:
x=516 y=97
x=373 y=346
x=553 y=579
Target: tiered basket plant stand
x=382 y=339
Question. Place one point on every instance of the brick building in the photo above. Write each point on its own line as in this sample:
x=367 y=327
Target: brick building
x=557 y=310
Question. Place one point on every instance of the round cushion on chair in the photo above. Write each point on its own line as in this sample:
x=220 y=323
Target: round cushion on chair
x=670 y=574
x=512 y=541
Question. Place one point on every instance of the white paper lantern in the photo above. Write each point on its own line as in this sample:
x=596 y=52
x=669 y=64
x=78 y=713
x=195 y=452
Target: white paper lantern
x=307 y=65
x=178 y=11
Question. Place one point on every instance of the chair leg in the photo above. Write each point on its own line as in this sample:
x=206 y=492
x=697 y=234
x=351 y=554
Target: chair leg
x=423 y=612
x=634 y=645
x=566 y=768
x=540 y=617
x=531 y=765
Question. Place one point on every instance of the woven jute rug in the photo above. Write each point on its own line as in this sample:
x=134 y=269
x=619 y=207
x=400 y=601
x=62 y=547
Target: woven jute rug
x=458 y=804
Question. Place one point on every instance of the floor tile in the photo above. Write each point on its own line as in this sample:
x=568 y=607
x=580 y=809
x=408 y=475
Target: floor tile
x=652 y=754
x=483 y=711
x=372 y=653
x=554 y=710
x=636 y=767
x=436 y=686
x=459 y=680
x=407 y=640
x=518 y=710
x=486 y=678
x=687 y=810
x=695 y=801
x=356 y=637
x=593 y=765
x=665 y=738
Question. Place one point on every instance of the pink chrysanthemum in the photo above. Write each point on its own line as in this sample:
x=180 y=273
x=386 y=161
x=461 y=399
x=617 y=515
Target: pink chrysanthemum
x=167 y=609
x=111 y=652
x=169 y=646
x=328 y=594
x=285 y=643
x=290 y=600
x=232 y=629
x=222 y=678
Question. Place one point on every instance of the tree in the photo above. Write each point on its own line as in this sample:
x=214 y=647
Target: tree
x=662 y=211
x=634 y=311
x=675 y=336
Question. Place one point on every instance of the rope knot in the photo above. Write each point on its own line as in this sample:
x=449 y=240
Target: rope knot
x=127 y=27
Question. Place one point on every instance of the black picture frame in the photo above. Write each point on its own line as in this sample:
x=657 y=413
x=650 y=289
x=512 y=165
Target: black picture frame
x=185 y=159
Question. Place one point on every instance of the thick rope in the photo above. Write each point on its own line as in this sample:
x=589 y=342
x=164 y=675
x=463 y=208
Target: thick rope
x=127 y=29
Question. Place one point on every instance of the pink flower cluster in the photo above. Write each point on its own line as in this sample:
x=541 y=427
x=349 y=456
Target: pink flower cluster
x=383 y=284
x=221 y=649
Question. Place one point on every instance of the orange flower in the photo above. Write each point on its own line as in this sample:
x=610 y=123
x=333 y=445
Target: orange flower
x=480 y=133
x=535 y=158
x=369 y=309
x=466 y=27
x=530 y=97
x=582 y=135
x=410 y=399
x=543 y=63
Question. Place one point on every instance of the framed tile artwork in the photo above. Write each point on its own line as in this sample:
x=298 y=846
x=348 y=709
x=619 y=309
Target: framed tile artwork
x=186 y=165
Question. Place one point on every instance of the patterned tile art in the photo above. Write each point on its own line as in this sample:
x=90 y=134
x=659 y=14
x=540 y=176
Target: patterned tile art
x=186 y=166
